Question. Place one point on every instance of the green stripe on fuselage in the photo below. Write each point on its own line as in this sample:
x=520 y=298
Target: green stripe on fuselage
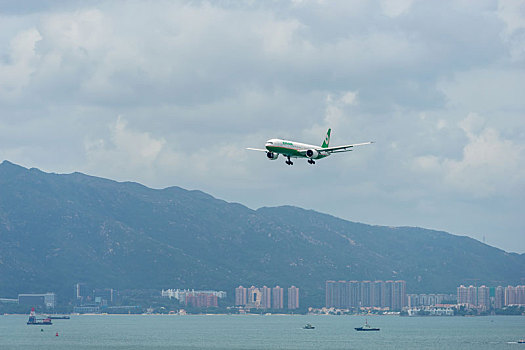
x=291 y=152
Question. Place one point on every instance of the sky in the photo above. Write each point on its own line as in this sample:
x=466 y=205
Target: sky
x=170 y=93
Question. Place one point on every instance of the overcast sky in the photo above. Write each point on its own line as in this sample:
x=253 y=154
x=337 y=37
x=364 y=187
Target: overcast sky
x=169 y=93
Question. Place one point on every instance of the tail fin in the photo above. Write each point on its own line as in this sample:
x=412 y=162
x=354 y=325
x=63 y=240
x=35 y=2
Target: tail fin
x=326 y=141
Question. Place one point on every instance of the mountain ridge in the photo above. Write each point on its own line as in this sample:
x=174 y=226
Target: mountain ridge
x=59 y=229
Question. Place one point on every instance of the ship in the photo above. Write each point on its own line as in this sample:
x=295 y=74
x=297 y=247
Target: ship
x=366 y=327
x=309 y=326
x=38 y=321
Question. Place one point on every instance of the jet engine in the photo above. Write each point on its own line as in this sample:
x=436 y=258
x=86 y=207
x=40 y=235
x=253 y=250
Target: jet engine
x=312 y=153
x=272 y=156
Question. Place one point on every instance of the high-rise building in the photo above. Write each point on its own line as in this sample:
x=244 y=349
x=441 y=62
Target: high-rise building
x=510 y=296
x=254 y=297
x=277 y=297
x=365 y=293
x=266 y=297
x=399 y=295
x=354 y=292
x=330 y=293
x=484 y=297
x=378 y=294
x=389 y=293
x=241 y=294
x=520 y=297
x=480 y=296
x=348 y=294
x=499 y=297
x=344 y=294
x=472 y=295
x=462 y=294
x=293 y=298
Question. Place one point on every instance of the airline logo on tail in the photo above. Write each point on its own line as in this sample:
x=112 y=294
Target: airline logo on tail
x=327 y=139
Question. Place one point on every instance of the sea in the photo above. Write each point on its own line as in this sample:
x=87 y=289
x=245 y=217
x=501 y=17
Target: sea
x=194 y=332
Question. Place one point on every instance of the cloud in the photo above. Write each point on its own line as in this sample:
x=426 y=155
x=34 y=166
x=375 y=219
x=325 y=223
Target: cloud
x=15 y=73
x=396 y=8
x=125 y=152
x=489 y=166
x=513 y=15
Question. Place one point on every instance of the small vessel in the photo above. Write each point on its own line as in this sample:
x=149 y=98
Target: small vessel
x=366 y=327
x=521 y=341
x=38 y=321
x=308 y=326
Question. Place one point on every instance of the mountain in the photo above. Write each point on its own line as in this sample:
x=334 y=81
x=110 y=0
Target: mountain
x=57 y=230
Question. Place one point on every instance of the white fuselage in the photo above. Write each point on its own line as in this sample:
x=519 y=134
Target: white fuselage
x=291 y=148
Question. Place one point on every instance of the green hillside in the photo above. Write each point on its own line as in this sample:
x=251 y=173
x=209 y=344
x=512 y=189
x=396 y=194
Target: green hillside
x=56 y=230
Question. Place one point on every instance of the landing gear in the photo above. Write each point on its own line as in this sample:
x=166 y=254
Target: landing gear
x=289 y=162
x=311 y=161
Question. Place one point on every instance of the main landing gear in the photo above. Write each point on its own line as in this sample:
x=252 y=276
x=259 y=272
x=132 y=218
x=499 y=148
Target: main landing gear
x=311 y=161
x=289 y=162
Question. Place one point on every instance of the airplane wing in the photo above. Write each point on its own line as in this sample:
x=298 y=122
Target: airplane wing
x=257 y=149
x=345 y=148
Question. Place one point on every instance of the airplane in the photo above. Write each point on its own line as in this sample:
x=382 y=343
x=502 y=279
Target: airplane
x=292 y=149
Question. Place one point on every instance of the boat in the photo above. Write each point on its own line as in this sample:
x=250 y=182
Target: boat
x=308 y=326
x=38 y=321
x=366 y=327
x=521 y=341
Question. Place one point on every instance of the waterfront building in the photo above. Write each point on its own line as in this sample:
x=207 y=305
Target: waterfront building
x=499 y=297
x=462 y=294
x=365 y=293
x=330 y=293
x=344 y=296
x=431 y=311
x=104 y=296
x=241 y=294
x=182 y=294
x=484 y=297
x=201 y=299
x=414 y=300
x=472 y=295
x=277 y=297
x=480 y=296
x=254 y=297
x=520 y=297
x=266 y=297
x=510 y=296
x=86 y=309
x=389 y=292
x=352 y=294
x=399 y=295
x=378 y=294
x=354 y=291
x=47 y=300
x=82 y=293
x=293 y=298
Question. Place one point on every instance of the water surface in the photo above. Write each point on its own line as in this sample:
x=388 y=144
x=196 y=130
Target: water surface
x=262 y=332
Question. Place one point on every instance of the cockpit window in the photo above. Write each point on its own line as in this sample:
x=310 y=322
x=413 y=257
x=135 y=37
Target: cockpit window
x=270 y=142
